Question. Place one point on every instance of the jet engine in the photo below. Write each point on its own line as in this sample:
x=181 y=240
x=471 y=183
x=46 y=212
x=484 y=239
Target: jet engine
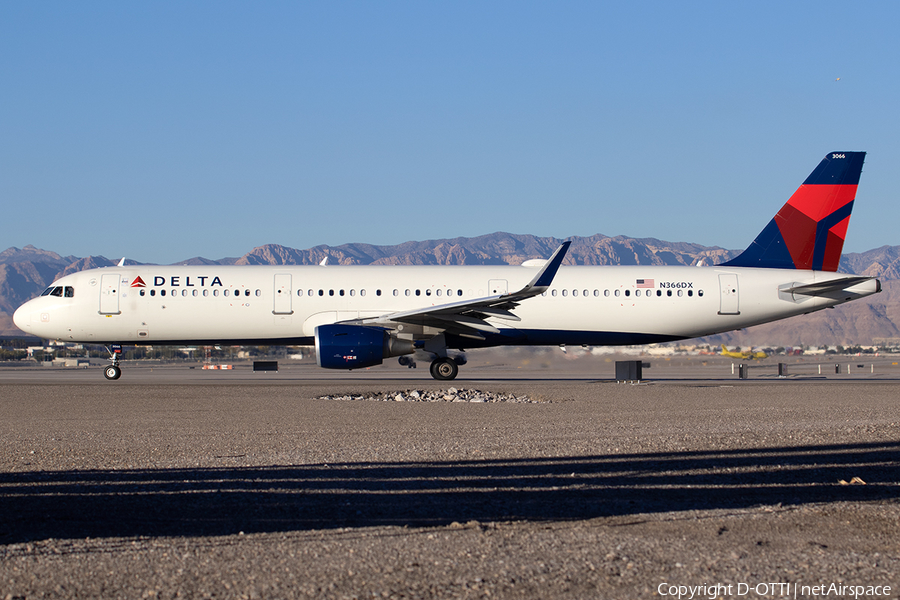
x=356 y=347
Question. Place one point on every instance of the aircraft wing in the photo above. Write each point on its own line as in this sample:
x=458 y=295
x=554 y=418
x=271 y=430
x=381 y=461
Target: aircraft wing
x=826 y=287
x=468 y=318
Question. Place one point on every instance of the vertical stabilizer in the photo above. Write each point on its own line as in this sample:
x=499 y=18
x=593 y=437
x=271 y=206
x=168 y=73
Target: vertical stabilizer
x=808 y=232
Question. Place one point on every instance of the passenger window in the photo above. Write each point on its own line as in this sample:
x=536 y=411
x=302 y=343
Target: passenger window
x=437 y=292
x=142 y=292
x=184 y=292
x=659 y=292
x=407 y=292
x=553 y=293
x=418 y=292
x=363 y=292
x=574 y=293
x=194 y=293
x=565 y=293
x=321 y=292
x=352 y=292
x=341 y=293
x=205 y=293
x=396 y=292
x=669 y=293
x=299 y=292
x=259 y=293
x=627 y=293
x=606 y=293
x=690 y=293
x=700 y=293
x=309 y=292
x=215 y=292
x=152 y=293
x=637 y=293
x=331 y=292
x=162 y=292
x=680 y=293
x=428 y=292
x=225 y=293
x=618 y=292
x=586 y=293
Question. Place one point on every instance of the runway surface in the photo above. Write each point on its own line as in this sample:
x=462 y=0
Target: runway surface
x=177 y=482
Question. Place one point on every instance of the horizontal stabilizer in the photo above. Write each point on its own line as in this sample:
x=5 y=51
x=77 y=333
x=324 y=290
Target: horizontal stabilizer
x=828 y=287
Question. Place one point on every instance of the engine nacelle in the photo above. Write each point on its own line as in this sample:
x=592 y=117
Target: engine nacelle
x=356 y=347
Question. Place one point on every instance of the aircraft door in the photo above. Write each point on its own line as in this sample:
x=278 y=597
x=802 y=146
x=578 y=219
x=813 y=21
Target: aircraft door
x=109 y=294
x=497 y=286
x=282 y=294
x=728 y=294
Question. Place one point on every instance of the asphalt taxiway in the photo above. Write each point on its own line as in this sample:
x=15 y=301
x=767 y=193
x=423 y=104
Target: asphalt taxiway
x=178 y=482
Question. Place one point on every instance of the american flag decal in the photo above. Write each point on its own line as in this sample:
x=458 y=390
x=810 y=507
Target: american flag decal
x=645 y=283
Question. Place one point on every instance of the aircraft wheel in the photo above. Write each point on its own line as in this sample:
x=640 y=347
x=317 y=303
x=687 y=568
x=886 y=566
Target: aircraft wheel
x=112 y=372
x=444 y=369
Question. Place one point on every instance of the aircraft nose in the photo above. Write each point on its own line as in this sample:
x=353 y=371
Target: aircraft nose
x=21 y=317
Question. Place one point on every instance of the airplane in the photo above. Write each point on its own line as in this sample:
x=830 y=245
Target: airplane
x=358 y=316
x=748 y=355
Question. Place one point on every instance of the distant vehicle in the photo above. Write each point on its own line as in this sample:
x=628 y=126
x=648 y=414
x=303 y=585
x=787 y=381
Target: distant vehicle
x=748 y=355
x=357 y=316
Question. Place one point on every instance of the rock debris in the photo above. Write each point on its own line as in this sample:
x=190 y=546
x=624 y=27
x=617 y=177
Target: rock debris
x=449 y=395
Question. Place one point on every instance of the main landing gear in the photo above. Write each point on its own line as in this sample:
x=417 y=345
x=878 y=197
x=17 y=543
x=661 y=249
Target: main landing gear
x=444 y=369
x=113 y=371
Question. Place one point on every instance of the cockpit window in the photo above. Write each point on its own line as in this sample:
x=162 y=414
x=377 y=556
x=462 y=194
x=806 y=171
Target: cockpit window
x=59 y=291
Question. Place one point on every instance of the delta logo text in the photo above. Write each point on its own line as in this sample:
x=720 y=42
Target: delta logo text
x=179 y=281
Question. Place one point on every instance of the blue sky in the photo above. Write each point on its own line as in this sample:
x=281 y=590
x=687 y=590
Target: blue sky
x=162 y=131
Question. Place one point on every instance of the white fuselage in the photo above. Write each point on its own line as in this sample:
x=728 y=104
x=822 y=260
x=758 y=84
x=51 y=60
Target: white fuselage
x=283 y=304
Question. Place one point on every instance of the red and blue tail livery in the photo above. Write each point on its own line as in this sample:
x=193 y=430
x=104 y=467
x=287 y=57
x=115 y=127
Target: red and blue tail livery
x=808 y=232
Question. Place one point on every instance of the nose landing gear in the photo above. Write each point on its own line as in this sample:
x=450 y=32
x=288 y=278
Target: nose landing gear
x=113 y=371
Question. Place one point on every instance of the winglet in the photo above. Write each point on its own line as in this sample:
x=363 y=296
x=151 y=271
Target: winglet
x=545 y=276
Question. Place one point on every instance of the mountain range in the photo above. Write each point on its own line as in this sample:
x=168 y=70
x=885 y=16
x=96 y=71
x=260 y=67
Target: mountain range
x=25 y=272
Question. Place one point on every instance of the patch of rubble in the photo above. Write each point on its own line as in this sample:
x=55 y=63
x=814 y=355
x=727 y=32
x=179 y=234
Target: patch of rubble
x=449 y=395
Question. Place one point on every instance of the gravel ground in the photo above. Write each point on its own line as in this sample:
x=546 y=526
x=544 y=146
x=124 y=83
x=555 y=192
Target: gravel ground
x=172 y=484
